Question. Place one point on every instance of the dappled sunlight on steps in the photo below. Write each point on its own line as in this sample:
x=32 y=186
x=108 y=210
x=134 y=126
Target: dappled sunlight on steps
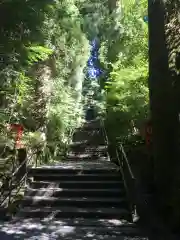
x=68 y=229
x=77 y=199
x=85 y=165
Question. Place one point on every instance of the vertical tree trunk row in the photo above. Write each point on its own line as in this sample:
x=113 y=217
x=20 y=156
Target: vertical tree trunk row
x=162 y=104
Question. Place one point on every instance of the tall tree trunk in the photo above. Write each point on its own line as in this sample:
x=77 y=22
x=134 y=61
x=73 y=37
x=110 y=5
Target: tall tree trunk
x=162 y=103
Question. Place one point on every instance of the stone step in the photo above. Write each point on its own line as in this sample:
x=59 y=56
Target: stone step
x=87 y=146
x=86 y=154
x=87 y=150
x=83 y=222
x=58 y=229
x=97 y=231
x=74 y=212
x=89 y=125
x=89 y=202
x=91 y=139
x=88 y=141
x=78 y=170
x=78 y=184
x=89 y=129
x=83 y=165
x=62 y=192
x=97 y=223
x=87 y=158
x=93 y=136
x=43 y=176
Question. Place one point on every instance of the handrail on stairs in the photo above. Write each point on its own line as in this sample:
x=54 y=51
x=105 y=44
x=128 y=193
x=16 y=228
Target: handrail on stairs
x=125 y=168
x=127 y=175
x=105 y=135
x=15 y=179
x=104 y=131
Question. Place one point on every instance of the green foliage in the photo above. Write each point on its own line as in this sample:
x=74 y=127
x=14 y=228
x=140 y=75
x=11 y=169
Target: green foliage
x=44 y=50
x=125 y=56
x=63 y=114
x=43 y=53
x=37 y=53
x=64 y=34
x=127 y=100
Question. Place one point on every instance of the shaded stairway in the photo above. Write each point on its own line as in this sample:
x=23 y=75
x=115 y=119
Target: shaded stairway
x=77 y=199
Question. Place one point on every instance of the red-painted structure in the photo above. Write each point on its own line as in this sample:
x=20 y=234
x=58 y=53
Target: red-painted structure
x=19 y=129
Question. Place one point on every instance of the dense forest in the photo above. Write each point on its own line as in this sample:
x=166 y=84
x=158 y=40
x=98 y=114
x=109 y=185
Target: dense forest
x=45 y=83
x=59 y=57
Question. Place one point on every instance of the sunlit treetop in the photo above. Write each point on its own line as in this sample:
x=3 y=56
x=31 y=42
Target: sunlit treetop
x=93 y=72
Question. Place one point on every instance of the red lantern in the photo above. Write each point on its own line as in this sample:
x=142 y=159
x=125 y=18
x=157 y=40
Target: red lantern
x=19 y=130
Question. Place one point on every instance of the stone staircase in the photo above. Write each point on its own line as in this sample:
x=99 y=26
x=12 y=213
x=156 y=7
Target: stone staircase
x=76 y=199
x=85 y=192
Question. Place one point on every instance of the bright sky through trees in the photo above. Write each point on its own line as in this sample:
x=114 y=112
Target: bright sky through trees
x=93 y=71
